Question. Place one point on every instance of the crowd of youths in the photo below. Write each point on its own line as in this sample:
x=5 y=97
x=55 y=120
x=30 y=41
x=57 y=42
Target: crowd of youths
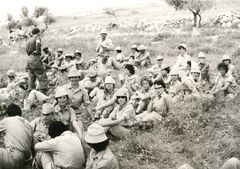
x=115 y=90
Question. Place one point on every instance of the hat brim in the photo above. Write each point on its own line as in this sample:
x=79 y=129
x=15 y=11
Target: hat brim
x=95 y=139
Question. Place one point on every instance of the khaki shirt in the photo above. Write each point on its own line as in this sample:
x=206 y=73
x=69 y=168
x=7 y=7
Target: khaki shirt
x=127 y=113
x=66 y=116
x=161 y=104
x=221 y=81
x=105 y=47
x=40 y=129
x=66 y=149
x=102 y=160
x=77 y=96
x=175 y=88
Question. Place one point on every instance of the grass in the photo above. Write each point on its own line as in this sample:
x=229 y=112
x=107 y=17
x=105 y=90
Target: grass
x=203 y=135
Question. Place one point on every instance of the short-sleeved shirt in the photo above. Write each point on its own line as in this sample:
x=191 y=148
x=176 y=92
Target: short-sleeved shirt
x=66 y=116
x=40 y=128
x=195 y=87
x=102 y=160
x=161 y=104
x=175 y=88
x=127 y=112
x=66 y=149
x=18 y=134
x=143 y=93
x=221 y=81
x=77 y=96
x=107 y=43
x=181 y=63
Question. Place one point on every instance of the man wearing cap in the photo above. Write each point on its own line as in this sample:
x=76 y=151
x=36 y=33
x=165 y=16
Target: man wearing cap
x=133 y=54
x=40 y=125
x=78 y=61
x=143 y=59
x=103 y=49
x=52 y=76
x=67 y=62
x=59 y=58
x=183 y=58
x=231 y=69
x=157 y=67
x=48 y=56
x=121 y=118
x=77 y=93
x=175 y=87
x=120 y=56
x=92 y=81
x=36 y=69
x=107 y=93
x=63 y=151
x=17 y=135
x=204 y=67
x=100 y=156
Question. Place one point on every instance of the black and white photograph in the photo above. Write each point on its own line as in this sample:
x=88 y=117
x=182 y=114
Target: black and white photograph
x=129 y=84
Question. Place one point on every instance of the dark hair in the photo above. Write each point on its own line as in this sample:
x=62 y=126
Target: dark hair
x=146 y=79
x=13 y=110
x=181 y=47
x=35 y=31
x=130 y=68
x=46 y=50
x=167 y=69
x=189 y=63
x=222 y=65
x=160 y=82
x=67 y=99
x=100 y=146
x=56 y=129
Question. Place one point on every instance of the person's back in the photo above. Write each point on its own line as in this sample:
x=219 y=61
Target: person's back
x=31 y=45
x=69 y=146
x=18 y=134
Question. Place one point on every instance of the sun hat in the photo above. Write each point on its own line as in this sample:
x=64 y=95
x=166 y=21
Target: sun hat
x=95 y=134
x=109 y=80
x=47 y=108
x=60 y=91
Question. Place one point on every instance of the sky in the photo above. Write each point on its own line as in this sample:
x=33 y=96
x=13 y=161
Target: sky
x=65 y=7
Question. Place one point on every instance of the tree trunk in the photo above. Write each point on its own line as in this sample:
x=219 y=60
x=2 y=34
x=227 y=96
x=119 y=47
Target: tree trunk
x=200 y=19
x=195 y=19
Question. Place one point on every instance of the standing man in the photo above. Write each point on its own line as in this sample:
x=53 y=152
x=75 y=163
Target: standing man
x=103 y=49
x=36 y=69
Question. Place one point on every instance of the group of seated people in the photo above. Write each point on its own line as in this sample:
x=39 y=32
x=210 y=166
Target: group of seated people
x=132 y=91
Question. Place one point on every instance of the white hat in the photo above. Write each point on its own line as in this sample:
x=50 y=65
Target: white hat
x=103 y=31
x=183 y=45
x=201 y=55
x=77 y=52
x=226 y=57
x=134 y=46
x=164 y=66
x=59 y=50
x=68 y=55
x=54 y=66
x=122 y=92
x=92 y=73
x=60 y=91
x=159 y=57
x=11 y=73
x=141 y=47
x=118 y=48
x=47 y=108
x=109 y=80
x=95 y=134
x=195 y=69
x=73 y=72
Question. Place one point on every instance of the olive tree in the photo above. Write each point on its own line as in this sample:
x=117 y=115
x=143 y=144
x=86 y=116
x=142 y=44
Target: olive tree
x=195 y=6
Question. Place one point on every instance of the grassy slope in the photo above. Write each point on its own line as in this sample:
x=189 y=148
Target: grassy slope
x=201 y=135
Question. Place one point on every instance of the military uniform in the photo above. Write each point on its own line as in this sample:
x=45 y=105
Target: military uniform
x=35 y=67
